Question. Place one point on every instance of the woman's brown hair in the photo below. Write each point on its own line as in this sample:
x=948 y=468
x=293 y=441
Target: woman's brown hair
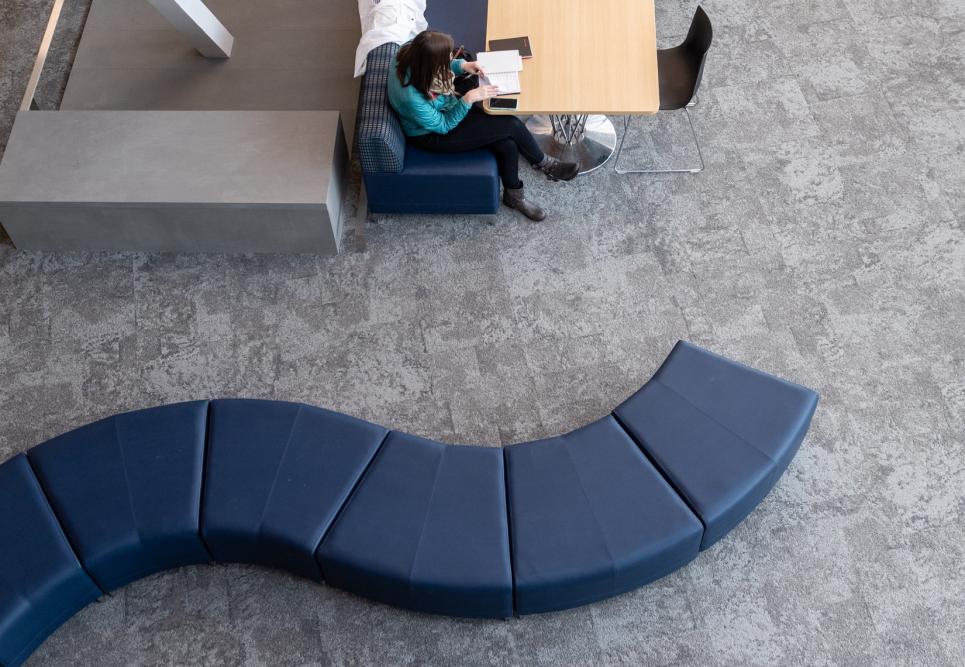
x=424 y=59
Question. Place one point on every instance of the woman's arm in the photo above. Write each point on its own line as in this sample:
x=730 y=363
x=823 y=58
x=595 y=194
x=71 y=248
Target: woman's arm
x=461 y=66
x=441 y=120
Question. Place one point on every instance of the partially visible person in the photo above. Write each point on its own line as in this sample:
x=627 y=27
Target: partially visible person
x=436 y=118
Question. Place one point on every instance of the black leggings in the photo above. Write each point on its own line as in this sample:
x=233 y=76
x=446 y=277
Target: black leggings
x=506 y=136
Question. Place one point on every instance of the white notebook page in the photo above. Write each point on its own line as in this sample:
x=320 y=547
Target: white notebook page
x=502 y=70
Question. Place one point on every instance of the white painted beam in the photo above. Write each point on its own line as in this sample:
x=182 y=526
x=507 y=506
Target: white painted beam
x=198 y=25
x=28 y=97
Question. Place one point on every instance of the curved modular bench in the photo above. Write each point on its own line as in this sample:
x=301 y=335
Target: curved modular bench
x=466 y=531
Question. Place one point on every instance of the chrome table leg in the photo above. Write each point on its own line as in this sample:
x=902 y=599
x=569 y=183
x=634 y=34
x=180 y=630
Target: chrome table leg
x=587 y=140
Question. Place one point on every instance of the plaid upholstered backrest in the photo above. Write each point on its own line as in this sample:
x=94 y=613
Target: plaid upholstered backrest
x=381 y=142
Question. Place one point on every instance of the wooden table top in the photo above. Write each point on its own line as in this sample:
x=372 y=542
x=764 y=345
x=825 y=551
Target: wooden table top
x=589 y=56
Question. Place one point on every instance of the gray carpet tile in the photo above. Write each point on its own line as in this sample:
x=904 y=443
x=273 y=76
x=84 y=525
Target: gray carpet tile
x=825 y=242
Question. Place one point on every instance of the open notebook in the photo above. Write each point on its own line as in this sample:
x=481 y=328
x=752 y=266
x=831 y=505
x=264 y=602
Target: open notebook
x=502 y=70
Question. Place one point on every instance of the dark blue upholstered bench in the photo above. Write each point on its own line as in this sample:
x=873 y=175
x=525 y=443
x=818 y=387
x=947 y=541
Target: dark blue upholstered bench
x=402 y=179
x=592 y=518
x=42 y=583
x=464 y=531
x=720 y=432
x=127 y=491
x=277 y=475
x=426 y=530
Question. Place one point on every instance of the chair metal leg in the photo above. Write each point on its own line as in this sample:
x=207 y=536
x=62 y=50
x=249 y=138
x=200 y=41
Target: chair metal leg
x=689 y=170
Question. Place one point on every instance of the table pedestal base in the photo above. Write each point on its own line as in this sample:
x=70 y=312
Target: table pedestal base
x=587 y=140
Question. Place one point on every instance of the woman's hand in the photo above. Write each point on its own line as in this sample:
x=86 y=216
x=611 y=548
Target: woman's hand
x=473 y=68
x=481 y=93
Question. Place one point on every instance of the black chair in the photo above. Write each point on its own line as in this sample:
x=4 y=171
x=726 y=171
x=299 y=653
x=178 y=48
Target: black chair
x=679 y=71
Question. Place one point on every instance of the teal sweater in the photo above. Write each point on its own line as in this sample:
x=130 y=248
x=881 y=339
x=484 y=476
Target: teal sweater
x=421 y=115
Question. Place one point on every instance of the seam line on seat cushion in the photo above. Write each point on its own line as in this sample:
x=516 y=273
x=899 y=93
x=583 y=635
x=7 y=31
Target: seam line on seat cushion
x=589 y=505
x=348 y=500
x=660 y=471
x=127 y=481
x=715 y=420
x=209 y=408
x=509 y=528
x=281 y=461
x=60 y=523
x=425 y=519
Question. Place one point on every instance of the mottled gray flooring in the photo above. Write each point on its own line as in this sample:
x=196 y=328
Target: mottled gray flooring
x=825 y=242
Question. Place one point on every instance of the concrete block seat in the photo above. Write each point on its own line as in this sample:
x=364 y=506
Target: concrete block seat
x=175 y=181
x=438 y=528
x=403 y=179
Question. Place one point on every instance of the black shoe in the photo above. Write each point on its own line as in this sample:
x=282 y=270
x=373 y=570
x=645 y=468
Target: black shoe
x=514 y=198
x=558 y=171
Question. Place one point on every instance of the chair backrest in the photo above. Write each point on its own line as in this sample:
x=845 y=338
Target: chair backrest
x=698 y=42
x=381 y=141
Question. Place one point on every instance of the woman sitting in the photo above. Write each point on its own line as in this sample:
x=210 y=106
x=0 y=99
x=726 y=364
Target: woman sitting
x=435 y=118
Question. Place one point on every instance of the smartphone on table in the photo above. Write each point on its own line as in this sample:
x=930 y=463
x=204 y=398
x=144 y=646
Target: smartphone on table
x=503 y=103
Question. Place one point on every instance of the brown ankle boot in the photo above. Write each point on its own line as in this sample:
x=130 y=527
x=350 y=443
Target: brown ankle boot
x=556 y=170
x=514 y=198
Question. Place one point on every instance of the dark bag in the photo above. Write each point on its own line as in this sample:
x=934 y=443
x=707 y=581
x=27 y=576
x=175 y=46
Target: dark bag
x=465 y=82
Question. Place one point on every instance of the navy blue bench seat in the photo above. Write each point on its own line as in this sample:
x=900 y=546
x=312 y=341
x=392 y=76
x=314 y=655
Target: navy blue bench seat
x=277 y=475
x=42 y=583
x=591 y=519
x=426 y=530
x=431 y=183
x=722 y=433
x=464 y=531
x=403 y=179
x=127 y=490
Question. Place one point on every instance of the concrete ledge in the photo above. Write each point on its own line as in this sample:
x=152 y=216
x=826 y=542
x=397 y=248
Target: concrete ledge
x=175 y=181
x=286 y=55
